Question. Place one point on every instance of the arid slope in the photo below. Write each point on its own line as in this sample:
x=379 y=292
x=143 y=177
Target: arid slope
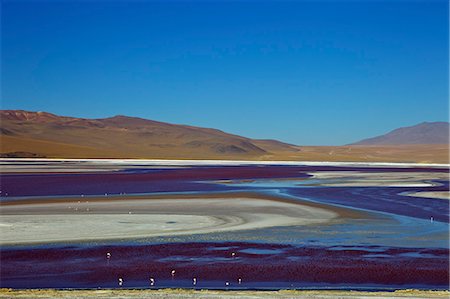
x=42 y=134
x=423 y=133
x=45 y=134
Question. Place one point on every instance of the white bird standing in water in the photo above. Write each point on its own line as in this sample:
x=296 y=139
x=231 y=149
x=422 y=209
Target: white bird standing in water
x=194 y=281
x=227 y=283
x=108 y=255
x=152 y=281
x=239 y=281
x=173 y=273
x=120 y=281
x=431 y=219
x=233 y=254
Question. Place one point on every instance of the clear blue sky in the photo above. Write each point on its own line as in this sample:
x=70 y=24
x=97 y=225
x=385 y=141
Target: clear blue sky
x=305 y=72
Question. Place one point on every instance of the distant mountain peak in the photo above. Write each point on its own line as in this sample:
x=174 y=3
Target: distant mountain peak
x=422 y=133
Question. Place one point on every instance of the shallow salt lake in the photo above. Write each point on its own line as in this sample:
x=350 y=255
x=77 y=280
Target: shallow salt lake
x=378 y=227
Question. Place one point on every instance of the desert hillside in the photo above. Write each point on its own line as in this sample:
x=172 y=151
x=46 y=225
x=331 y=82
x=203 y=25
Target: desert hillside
x=42 y=134
x=423 y=133
x=46 y=134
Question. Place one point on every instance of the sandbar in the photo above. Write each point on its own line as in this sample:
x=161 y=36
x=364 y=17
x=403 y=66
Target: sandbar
x=86 y=220
x=378 y=179
x=431 y=194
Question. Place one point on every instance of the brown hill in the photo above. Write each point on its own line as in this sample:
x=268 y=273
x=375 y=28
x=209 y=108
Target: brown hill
x=423 y=133
x=46 y=134
x=42 y=134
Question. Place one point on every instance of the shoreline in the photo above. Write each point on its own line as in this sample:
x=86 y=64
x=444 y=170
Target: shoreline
x=198 y=162
x=218 y=294
x=445 y=195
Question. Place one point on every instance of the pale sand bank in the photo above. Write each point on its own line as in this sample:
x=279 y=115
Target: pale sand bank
x=436 y=194
x=179 y=293
x=19 y=165
x=130 y=219
x=383 y=179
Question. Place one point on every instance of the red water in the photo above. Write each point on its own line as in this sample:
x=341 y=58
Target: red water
x=213 y=264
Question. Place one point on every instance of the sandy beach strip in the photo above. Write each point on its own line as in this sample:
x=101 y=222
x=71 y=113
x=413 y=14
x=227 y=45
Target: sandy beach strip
x=378 y=179
x=212 y=294
x=129 y=218
x=187 y=162
x=435 y=194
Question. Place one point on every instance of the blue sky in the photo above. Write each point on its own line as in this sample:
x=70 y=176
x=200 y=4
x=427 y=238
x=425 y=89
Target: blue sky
x=305 y=72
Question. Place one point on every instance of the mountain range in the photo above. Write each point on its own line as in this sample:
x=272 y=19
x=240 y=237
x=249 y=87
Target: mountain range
x=42 y=134
x=423 y=133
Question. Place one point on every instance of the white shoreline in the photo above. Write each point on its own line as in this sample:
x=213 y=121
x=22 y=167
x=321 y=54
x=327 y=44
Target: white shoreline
x=159 y=162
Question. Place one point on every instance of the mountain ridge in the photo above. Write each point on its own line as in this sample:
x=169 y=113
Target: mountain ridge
x=422 y=133
x=104 y=133
x=42 y=134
